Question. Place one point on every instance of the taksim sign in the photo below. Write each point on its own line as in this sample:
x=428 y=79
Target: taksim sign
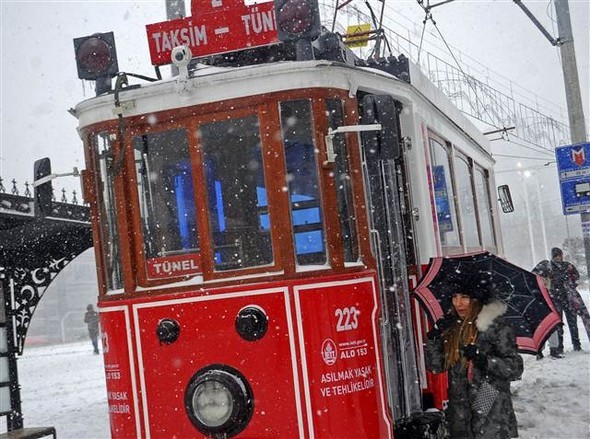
x=216 y=27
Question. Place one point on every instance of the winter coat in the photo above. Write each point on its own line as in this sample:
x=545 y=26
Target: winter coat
x=91 y=318
x=496 y=340
x=560 y=278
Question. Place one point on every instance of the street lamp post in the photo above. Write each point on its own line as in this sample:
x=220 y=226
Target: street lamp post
x=530 y=223
x=531 y=176
x=542 y=215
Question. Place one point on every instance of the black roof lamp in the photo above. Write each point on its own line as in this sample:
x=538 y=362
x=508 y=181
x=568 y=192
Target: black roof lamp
x=298 y=21
x=96 y=59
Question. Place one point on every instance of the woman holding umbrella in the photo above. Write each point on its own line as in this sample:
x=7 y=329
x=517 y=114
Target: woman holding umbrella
x=478 y=349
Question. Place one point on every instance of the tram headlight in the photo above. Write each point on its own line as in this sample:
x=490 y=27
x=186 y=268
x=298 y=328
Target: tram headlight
x=212 y=403
x=219 y=401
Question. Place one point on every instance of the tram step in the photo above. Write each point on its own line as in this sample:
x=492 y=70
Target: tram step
x=29 y=433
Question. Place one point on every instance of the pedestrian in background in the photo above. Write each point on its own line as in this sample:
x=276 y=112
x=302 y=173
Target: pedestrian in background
x=91 y=319
x=579 y=307
x=561 y=277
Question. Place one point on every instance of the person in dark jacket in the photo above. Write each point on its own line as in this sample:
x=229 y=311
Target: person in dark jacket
x=91 y=319
x=474 y=344
x=561 y=278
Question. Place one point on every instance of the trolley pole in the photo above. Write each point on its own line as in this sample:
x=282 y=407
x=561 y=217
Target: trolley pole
x=175 y=9
x=573 y=98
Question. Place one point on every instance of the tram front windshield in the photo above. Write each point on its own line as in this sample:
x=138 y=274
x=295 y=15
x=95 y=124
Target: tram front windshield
x=236 y=191
x=166 y=195
x=226 y=196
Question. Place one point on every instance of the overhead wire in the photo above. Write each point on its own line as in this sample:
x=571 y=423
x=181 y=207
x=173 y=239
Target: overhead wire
x=537 y=149
x=528 y=168
x=549 y=105
x=378 y=27
x=467 y=77
x=519 y=157
x=399 y=24
x=422 y=35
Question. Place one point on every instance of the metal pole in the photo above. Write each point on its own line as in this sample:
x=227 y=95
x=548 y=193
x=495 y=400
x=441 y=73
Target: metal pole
x=14 y=420
x=541 y=214
x=536 y=22
x=62 y=324
x=529 y=222
x=175 y=9
x=303 y=49
x=573 y=98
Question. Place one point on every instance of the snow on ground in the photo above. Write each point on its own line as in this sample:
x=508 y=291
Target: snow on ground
x=64 y=386
x=552 y=401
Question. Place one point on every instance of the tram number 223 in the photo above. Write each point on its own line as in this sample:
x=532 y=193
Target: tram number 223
x=347 y=319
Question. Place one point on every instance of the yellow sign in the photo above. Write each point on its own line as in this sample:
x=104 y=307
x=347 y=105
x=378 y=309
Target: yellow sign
x=362 y=39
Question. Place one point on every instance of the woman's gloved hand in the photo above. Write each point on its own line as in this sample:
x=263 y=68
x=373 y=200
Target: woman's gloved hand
x=441 y=326
x=471 y=352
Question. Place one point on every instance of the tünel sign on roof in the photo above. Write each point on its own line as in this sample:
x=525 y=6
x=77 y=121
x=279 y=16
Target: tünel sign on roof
x=216 y=27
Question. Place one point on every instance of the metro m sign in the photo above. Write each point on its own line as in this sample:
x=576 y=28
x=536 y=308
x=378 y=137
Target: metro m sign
x=216 y=27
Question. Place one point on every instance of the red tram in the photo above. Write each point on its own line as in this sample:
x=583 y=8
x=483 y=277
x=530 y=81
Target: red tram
x=258 y=227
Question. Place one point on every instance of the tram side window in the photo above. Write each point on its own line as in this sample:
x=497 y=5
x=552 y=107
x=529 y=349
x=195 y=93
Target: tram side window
x=303 y=182
x=444 y=195
x=236 y=189
x=343 y=183
x=467 y=202
x=166 y=196
x=484 y=208
x=109 y=232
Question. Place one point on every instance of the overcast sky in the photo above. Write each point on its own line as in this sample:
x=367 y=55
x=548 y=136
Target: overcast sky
x=39 y=77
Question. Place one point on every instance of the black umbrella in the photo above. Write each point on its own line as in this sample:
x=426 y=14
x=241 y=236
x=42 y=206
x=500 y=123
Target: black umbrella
x=530 y=309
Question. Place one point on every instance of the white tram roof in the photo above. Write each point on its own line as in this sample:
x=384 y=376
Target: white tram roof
x=212 y=84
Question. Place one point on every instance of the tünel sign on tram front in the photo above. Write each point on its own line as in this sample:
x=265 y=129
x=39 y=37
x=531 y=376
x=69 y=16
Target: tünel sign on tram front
x=173 y=266
x=216 y=27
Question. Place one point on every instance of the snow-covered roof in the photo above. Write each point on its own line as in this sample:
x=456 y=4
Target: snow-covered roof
x=213 y=84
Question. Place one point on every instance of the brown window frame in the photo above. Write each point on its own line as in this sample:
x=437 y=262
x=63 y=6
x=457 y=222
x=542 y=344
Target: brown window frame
x=469 y=161
x=129 y=220
x=486 y=174
x=447 y=249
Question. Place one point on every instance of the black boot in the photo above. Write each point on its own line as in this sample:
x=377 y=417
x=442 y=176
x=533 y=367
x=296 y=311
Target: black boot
x=554 y=353
x=540 y=355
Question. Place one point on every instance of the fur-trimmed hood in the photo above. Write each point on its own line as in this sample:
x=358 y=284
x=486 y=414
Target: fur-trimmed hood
x=490 y=312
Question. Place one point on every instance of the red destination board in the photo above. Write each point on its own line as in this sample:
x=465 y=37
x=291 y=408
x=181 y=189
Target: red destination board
x=216 y=27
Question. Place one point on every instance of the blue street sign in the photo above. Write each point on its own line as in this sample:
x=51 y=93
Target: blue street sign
x=573 y=166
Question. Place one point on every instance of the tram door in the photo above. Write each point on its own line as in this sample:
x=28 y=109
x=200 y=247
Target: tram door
x=381 y=154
